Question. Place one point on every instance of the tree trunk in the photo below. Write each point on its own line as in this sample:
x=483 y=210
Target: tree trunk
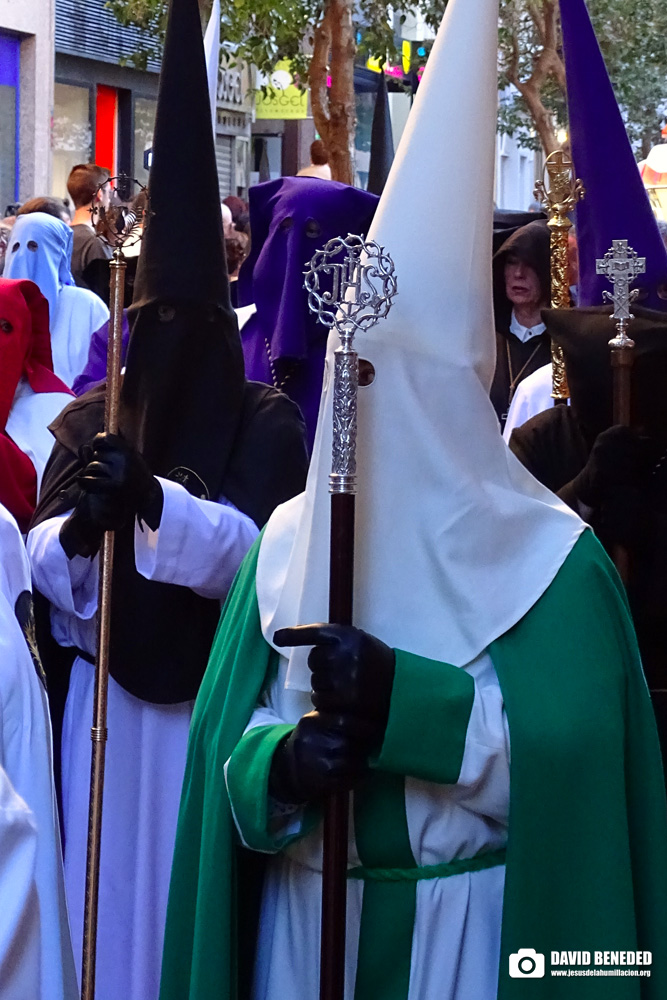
x=334 y=108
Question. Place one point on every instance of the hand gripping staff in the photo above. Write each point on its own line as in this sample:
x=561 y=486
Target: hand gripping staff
x=363 y=287
x=119 y=228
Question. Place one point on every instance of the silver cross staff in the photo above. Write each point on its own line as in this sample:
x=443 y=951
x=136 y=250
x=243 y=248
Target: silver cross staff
x=621 y=265
x=364 y=285
x=362 y=281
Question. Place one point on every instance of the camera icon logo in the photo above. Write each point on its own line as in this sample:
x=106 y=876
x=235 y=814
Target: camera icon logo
x=527 y=963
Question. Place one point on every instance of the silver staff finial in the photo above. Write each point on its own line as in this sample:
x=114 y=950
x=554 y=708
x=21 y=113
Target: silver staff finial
x=621 y=265
x=363 y=286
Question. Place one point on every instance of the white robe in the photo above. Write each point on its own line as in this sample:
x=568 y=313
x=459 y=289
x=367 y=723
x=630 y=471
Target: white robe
x=533 y=395
x=78 y=314
x=28 y=422
x=147 y=743
x=456 y=938
x=19 y=914
x=26 y=756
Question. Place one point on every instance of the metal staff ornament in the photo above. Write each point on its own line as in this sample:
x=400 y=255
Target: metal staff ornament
x=363 y=287
x=118 y=227
x=621 y=265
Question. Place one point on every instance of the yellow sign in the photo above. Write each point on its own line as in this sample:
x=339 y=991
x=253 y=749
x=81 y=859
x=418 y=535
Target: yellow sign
x=406 y=55
x=283 y=99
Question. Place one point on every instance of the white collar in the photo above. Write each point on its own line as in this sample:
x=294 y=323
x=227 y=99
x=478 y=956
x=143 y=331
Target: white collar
x=524 y=333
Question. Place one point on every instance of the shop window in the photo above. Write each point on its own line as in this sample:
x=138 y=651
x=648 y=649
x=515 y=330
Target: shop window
x=144 y=123
x=9 y=89
x=365 y=106
x=72 y=134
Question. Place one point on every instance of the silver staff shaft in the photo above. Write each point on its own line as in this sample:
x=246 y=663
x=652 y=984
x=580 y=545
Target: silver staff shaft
x=99 y=730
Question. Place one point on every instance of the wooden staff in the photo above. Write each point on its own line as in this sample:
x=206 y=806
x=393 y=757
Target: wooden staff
x=126 y=224
x=98 y=733
x=355 y=304
x=621 y=265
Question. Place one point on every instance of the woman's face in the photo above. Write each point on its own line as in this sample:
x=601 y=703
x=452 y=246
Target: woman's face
x=522 y=284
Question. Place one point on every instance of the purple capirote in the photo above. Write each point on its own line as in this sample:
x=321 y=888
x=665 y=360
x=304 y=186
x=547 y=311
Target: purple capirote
x=291 y=218
x=96 y=366
x=616 y=204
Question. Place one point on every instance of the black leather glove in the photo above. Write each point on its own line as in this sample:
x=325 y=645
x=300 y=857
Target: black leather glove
x=323 y=754
x=81 y=534
x=117 y=471
x=352 y=672
x=618 y=459
x=116 y=485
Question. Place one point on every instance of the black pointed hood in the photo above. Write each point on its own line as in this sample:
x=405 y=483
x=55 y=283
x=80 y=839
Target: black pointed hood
x=184 y=380
x=185 y=403
x=183 y=177
x=382 y=141
x=184 y=389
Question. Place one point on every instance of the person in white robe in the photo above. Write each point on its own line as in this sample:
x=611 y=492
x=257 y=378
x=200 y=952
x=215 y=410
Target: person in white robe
x=461 y=562
x=145 y=754
x=26 y=757
x=40 y=249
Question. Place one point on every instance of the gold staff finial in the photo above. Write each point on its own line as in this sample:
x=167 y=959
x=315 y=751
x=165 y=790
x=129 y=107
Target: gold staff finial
x=562 y=195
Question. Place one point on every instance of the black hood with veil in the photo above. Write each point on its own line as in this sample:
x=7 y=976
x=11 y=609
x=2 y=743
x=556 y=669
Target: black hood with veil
x=185 y=403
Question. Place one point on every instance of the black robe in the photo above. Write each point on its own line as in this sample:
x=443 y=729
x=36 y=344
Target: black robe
x=161 y=634
x=553 y=447
x=524 y=358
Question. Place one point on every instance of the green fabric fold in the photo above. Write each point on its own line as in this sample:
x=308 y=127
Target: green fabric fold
x=441 y=697
x=587 y=846
x=388 y=908
x=248 y=786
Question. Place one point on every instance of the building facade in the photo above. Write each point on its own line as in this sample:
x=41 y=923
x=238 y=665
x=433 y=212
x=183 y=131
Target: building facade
x=103 y=110
x=234 y=114
x=26 y=96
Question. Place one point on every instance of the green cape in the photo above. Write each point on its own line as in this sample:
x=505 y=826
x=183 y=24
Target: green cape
x=587 y=847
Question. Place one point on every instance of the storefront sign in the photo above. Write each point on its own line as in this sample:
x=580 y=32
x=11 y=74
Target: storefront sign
x=234 y=86
x=282 y=100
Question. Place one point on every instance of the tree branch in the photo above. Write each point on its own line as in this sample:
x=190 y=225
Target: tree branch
x=537 y=18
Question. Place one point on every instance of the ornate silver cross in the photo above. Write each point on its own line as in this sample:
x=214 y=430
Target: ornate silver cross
x=363 y=287
x=621 y=265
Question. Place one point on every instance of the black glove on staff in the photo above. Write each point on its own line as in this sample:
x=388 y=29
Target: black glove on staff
x=116 y=484
x=352 y=679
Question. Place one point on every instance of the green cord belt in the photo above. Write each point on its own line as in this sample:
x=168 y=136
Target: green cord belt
x=489 y=859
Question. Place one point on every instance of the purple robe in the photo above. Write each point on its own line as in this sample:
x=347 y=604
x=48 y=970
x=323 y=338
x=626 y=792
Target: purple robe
x=291 y=218
x=96 y=366
x=615 y=205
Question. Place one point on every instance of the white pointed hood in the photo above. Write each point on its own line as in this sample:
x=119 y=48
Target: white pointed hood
x=455 y=540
